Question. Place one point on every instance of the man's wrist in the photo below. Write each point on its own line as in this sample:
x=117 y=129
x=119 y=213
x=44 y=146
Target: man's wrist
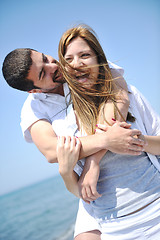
x=102 y=140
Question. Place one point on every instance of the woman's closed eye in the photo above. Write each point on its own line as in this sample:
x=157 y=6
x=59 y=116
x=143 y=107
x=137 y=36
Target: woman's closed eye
x=69 y=60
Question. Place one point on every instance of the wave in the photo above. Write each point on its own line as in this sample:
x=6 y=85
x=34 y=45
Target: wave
x=68 y=234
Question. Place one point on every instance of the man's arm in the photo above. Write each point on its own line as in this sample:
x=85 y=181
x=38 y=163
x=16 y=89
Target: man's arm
x=45 y=139
x=153 y=144
x=117 y=139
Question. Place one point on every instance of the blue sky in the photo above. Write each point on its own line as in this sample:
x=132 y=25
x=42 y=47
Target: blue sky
x=129 y=32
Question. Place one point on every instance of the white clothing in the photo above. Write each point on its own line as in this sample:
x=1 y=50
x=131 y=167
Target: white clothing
x=85 y=221
x=143 y=225
x=114 y=66
x=125 y=228
x=46 y=106
x=149 y=122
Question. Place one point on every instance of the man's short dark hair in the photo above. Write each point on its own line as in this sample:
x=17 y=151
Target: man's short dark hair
x=16 y=68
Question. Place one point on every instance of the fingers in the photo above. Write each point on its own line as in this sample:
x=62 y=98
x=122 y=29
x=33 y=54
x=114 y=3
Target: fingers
x=102 y=127
x=68 y=141
x=97 y=130
x=78 y=144
x=135 y=132
x=135 y=146
x=89 y=194
x=123 y=124
x=94 y=193
x=137 y=142
x=60 y=142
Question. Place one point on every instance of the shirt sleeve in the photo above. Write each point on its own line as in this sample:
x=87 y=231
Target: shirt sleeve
x=32 y=111
x=150 y=118
x=79 y=167
x=117 y=68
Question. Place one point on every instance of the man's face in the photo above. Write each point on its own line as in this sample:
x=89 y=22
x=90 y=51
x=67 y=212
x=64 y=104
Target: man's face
x=44 y=72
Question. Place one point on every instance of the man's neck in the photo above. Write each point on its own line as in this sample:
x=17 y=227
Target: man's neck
x=58 y=90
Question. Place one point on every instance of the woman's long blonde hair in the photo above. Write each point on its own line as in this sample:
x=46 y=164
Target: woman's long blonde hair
x=87 y=102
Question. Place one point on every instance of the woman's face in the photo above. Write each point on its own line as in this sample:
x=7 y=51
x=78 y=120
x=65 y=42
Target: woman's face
x=78 y=55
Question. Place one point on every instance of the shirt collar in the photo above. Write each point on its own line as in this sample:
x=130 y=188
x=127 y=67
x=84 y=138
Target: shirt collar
x=54 y=96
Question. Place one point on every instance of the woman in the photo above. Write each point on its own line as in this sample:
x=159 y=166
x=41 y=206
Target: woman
x=130 y=186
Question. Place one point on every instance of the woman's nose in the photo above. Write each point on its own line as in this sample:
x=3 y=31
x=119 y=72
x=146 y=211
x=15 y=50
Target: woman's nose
x=77 y=63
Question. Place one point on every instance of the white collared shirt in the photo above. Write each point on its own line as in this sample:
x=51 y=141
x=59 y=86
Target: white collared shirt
x=47 y=106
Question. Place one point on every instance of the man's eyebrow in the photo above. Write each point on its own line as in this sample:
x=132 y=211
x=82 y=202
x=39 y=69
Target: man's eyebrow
x=40 y=74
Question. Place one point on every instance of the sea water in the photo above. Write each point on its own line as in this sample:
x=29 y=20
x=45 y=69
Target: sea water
x=43 y=211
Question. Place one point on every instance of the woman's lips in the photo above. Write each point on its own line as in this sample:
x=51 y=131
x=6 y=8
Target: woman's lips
x=82 y=78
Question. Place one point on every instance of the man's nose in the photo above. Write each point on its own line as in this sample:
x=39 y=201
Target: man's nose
x=51 y=67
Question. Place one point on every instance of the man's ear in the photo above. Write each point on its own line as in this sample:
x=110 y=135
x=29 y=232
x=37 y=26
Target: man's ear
x=35 y=91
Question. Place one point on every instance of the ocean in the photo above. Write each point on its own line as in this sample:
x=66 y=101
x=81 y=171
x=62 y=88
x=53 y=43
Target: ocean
x=42 y=211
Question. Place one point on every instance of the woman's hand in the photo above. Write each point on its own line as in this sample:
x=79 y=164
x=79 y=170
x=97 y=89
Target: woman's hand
x=88 y=180
x=67 y=154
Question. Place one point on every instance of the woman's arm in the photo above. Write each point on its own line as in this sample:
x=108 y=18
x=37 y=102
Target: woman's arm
x=67 y=155
x=68 y=149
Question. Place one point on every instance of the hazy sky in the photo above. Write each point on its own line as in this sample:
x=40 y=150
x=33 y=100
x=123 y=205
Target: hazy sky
x=129 y=32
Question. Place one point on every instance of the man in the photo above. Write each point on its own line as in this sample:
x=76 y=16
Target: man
x=39 y=74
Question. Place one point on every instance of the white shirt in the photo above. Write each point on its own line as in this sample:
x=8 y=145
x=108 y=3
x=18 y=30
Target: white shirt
x=147 y=120
x=47 y=106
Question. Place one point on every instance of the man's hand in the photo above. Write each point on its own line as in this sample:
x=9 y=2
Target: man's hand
x=121 y=139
